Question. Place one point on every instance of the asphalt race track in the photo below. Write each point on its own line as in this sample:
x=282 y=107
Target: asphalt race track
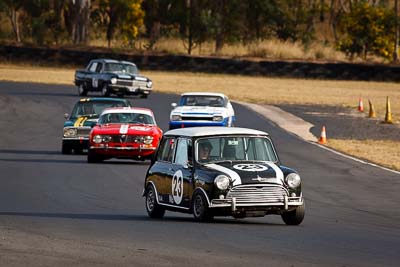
x=58 y=210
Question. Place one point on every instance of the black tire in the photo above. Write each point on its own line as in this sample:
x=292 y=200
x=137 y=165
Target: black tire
x=200 y=209
x=104 y=90
x=93 y=158
x=82 y=91
x=78 y=151
x=154 y=210
x=144 y=96
x=121 y=95
x=66 y=149
x=294 y=217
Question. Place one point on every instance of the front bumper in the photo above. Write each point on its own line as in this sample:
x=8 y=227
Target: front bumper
x=76 y=143
x=123 y=151
x=127 y=90
x=184 y=124
x=257 y=197
x=287 y=203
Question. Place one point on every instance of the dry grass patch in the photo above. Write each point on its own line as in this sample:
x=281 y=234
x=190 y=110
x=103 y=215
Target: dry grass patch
x=385 y=153
x=28 y=73
x=276 y=49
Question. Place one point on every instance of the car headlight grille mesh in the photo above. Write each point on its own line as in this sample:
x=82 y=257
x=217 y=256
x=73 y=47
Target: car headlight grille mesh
x=246 y=194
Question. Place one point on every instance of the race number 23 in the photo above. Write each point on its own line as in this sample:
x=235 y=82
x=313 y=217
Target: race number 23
x=250 y=167
x=177 y=187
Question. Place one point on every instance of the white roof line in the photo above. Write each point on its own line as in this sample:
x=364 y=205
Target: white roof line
x=211 y=131
x=203 y=93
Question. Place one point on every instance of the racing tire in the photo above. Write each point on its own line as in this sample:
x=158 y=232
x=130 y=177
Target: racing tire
x=82 y=91
x=200 y=209
x=93 y=158
x=294 y=217
x=104 y=90
x=66 y=149
x=154 y=210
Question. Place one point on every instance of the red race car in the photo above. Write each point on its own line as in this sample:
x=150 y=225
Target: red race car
x=130 y=133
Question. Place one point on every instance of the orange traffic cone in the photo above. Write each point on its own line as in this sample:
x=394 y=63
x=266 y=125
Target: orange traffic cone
x=360 y=105
x=372 y=113
x=322 y=139
x=388 y=116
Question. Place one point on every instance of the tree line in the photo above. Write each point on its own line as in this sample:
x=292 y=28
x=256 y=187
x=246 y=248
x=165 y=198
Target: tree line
x=357 y=27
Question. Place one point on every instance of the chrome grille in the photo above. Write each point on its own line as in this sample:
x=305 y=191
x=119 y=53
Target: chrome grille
x=126 y=138
x=247 y=194
x=83 y=131
x=191 y=118
x=131 y=83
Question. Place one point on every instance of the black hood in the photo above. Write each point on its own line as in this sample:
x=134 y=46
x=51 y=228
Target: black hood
x=249 y=173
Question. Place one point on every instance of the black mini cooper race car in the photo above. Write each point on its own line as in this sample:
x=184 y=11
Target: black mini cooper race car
x=219 y=171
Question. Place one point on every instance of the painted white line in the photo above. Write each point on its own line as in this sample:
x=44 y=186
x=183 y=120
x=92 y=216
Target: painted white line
x=353 y=158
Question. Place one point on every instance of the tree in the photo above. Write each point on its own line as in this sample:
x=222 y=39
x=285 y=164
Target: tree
x=44 y=20
x=227 y=22
x=12 y=9
x=367 y=29
x=125 y=14
x=133 y=21
x=77 y=14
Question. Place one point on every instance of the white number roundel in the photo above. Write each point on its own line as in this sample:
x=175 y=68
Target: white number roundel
x=177 y=187
x=250 y=167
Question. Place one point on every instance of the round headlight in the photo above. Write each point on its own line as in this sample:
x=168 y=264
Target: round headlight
x=293 y=180
x=149 y=84
x=97 y=139
x=222 y=182
x=113 y=80
x=70 y=132
x=218 y=118
x=148 y=139
x=176 y=117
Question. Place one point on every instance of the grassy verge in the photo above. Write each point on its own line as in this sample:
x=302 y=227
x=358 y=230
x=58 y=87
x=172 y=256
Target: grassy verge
x=263 y=90
x=381 y=152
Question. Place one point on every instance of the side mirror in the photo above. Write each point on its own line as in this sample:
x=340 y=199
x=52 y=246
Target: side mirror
x=66 y=115
x=173 y=105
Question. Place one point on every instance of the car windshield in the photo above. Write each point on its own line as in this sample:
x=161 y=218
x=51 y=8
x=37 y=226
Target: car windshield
x=235 y=148
x=134 y=118
x=202 y=100
x=120 y=67
x=93 y=108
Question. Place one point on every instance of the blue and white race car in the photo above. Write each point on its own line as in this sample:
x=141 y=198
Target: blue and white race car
x=202 y=109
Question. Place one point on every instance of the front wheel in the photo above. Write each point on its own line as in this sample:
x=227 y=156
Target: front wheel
x=93 y=158
x=82 y=91
x=201 y=211
x=154 y=210
x=294 y=217
x=104 y=90
x=66 y=149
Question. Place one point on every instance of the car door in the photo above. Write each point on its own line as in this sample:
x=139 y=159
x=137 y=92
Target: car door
x=160 y=173
x=181 y=180
x=91 y=70
x=97 y=77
